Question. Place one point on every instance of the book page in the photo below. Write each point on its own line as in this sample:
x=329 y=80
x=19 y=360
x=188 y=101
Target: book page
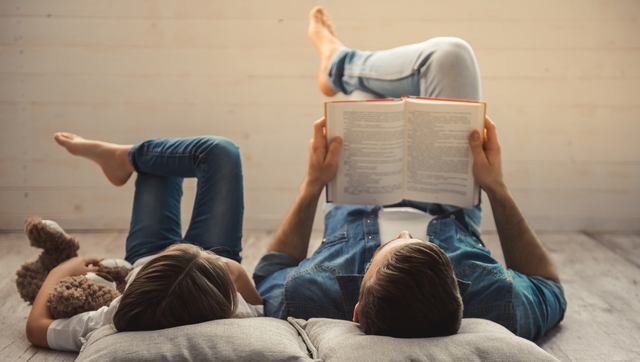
x=438 y=157
x=371 y=162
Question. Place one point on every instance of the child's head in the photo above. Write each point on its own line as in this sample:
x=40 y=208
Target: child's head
x=182 y=285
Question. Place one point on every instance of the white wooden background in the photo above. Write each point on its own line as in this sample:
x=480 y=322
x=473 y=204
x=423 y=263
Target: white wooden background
x=561 y=78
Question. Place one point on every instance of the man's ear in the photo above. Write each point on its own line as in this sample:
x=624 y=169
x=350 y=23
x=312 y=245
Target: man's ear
x=355 y=313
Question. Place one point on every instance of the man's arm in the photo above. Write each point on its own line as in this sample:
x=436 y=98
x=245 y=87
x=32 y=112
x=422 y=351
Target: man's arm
x=40 y=317
x=293 y=234
x=523 y=251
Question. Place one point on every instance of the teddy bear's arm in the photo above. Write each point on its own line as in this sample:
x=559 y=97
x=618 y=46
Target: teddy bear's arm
x=40 y=317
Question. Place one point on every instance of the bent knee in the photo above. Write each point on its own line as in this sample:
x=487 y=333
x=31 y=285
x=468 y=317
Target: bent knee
x=451 y=49
x=216 y=147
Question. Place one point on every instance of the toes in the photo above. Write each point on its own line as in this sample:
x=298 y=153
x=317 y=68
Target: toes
x=316 y=13
x=65 y=137
x=69 y=136
x=59 y=138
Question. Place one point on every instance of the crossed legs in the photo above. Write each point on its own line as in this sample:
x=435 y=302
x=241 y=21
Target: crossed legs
x=161 y=165
x=443 y=67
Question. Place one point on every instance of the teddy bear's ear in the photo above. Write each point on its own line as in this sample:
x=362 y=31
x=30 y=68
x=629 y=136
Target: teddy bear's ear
x=48 y=235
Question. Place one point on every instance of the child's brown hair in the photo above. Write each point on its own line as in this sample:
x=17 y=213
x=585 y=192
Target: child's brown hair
x=182 y=285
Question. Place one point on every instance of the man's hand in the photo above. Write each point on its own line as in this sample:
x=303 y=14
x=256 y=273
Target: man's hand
x=76 y=266
x=487 y=159
x=323 y=158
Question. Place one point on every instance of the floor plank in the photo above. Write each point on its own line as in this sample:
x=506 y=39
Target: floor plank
x=625 y=245
x=602 y=322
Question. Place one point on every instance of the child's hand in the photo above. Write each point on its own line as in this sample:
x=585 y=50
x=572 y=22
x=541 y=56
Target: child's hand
x=76 y=266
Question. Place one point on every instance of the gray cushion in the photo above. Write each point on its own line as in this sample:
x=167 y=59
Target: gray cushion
x=268 y=339
x=477 y=340
x=251 y=339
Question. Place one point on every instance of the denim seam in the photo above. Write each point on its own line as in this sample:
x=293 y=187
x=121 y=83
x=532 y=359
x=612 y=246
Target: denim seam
x=370 y=230
x=510 y=301
x=368 y=76
x=340 y=240
x=475 y=246
x=315 y=267
x=474 y=265
x=156 y=153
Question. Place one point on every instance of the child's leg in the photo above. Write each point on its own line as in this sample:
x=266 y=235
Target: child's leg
x=155 y=219
x=216 y=222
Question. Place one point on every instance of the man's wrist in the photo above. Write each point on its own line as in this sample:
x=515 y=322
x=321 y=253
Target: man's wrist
x=497 y=190
x=312 y=187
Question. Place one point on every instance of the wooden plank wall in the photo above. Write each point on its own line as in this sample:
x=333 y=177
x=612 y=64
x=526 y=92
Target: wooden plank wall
x=561 y=79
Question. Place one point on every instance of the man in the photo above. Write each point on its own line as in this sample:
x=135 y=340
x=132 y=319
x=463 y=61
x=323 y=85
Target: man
x=407 y=287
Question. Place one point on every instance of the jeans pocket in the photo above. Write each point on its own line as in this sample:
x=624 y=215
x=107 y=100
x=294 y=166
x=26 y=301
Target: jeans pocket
x=338 y=237
x=472 y=241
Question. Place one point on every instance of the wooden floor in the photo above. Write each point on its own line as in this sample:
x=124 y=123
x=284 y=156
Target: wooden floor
x=600 y=273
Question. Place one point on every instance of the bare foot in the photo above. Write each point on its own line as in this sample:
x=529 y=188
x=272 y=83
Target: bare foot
x=322 y=35
x=113 y=158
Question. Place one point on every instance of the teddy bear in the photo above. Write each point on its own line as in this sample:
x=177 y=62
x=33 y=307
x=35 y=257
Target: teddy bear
x=72 y=295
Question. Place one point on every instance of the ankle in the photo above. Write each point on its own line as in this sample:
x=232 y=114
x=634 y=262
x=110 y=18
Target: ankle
x=122 y=155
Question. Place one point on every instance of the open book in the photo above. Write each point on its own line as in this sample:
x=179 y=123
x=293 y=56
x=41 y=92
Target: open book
x=411 y=148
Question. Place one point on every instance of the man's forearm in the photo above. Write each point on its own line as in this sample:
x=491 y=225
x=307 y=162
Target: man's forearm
x=523 y=251
x=293 y=235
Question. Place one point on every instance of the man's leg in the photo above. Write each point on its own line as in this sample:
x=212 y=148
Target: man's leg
x=438 y=68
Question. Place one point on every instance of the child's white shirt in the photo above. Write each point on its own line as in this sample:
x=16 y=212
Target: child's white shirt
x=68 y=334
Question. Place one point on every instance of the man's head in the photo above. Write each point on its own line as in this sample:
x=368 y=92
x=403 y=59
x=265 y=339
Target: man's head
x=409 y=291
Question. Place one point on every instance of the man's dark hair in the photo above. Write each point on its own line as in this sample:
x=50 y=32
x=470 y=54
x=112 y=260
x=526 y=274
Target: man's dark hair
x=412 y=294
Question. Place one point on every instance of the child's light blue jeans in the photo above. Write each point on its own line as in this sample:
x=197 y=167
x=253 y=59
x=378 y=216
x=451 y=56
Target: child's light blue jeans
x=216 y=221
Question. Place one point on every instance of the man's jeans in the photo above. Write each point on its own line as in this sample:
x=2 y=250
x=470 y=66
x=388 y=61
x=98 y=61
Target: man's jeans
x=216 y=221
x=437 y=68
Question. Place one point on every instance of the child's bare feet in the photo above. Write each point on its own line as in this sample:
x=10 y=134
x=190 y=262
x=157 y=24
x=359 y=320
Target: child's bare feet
x=323 y=37
x=113 y=158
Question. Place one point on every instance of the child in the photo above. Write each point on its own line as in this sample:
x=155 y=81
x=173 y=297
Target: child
x=194 y=279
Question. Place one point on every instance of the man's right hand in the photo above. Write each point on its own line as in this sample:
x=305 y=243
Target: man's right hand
x=323 y=157
x=487 y=159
